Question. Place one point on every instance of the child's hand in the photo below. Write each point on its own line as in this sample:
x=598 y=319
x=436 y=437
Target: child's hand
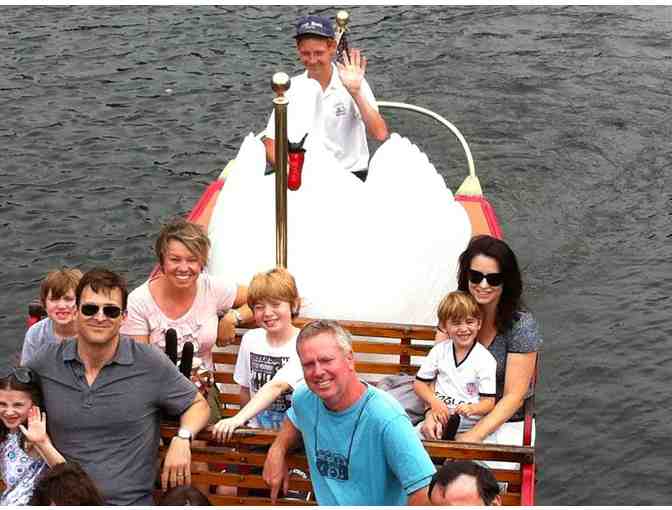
x=223 y=429
x=431 y=428
x=36 y=432
x=464 y=409
x=441 y=411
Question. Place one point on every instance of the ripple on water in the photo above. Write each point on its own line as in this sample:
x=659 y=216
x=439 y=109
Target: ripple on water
x=566 y=109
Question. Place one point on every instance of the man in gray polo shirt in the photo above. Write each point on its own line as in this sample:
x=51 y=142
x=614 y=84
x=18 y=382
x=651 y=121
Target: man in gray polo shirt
x=104 y=394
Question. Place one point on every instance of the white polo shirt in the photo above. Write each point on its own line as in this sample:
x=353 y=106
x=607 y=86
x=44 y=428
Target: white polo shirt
x=330 y=115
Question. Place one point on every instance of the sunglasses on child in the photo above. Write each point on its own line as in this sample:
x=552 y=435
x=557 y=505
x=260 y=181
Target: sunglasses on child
x=493 y=279
x=110 y=311
x=22 y=374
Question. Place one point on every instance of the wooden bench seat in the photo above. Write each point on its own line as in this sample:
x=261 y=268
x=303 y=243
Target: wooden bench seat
x=380 y=349
x=247 y=452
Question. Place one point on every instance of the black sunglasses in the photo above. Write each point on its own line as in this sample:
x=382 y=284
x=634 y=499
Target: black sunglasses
x=110 y=311
x=493 y=279
x=24 y=375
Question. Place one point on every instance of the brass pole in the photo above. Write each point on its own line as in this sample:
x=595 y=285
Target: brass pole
x=280 y=84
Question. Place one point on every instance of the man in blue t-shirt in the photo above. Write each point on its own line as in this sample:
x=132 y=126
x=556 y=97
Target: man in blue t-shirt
x=360 y=444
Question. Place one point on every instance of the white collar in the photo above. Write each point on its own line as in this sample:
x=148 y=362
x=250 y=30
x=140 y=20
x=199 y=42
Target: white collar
x=335 y=83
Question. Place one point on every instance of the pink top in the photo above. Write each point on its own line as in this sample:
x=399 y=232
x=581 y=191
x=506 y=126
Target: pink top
x=198 y=325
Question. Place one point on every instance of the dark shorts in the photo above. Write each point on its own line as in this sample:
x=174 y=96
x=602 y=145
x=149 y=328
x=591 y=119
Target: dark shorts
x=361 y=174
x=214 y=403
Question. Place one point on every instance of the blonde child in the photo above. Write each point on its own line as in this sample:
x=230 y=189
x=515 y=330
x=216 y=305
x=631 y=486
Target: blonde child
x=24 y=451
x=268 y=367
x=57 y=295
x=457 y=378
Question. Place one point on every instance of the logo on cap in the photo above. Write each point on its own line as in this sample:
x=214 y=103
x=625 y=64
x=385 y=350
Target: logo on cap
x=314 y=25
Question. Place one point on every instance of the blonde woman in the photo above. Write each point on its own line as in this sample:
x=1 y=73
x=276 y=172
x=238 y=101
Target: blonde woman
x=201 y=308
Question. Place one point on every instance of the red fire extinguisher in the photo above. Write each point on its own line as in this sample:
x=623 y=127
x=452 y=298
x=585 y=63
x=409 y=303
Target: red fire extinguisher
x=296 y=157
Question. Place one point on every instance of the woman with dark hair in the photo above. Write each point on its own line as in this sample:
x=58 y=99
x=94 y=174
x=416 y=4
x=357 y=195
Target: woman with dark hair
x=489 y=271
x=66 y=485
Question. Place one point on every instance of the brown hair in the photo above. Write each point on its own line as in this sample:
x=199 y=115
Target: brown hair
x=184 y=495
x=277 y=284
x=66 y=484
x=512 y=287
x=457 y=305
x=59 y=282
x=102 y=279
x=486 y=483
x=191 y=235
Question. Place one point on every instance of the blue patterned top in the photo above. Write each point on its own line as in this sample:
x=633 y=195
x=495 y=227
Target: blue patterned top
x=523 y=337
x=19 y=471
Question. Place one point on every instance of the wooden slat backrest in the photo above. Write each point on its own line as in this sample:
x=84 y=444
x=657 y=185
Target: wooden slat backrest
x=247 y=451
x=380 y=349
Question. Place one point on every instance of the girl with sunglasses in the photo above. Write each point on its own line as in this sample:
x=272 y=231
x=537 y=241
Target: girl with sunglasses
x=25 y=447
x=489 y=271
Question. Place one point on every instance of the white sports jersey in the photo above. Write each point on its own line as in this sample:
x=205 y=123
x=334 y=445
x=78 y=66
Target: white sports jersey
x=460 y=383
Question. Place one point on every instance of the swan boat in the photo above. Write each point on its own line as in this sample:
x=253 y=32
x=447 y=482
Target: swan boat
x=390 y=336
x=381 y=347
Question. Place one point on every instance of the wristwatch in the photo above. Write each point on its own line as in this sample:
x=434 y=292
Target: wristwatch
x=183 y=433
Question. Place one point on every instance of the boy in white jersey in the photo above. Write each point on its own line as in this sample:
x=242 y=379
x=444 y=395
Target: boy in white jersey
x=268 y=367
x=457 y=378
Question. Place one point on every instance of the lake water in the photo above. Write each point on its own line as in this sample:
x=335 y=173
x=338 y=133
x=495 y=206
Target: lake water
x=115 y=118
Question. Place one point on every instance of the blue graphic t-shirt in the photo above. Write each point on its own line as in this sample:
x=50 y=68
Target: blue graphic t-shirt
x=368 y=454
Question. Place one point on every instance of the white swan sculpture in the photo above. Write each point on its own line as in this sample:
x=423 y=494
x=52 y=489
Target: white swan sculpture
x=385 y=250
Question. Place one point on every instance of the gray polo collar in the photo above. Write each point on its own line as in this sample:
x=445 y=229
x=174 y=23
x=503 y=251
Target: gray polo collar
x=123 y=356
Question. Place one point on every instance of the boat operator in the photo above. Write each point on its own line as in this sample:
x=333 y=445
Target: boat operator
x=344 y=110
x=360 y=444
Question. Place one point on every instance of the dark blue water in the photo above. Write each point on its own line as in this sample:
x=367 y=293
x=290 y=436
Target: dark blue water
x=114 y=118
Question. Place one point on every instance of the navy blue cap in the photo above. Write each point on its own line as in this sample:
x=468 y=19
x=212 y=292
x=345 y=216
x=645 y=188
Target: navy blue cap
x=314 y=25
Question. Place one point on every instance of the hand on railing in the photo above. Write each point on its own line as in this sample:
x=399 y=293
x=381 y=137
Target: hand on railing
x=223 y=430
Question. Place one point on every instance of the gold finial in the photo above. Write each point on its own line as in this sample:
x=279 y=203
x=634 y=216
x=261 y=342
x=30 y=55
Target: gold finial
x=342 y=19
x=280 y=83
